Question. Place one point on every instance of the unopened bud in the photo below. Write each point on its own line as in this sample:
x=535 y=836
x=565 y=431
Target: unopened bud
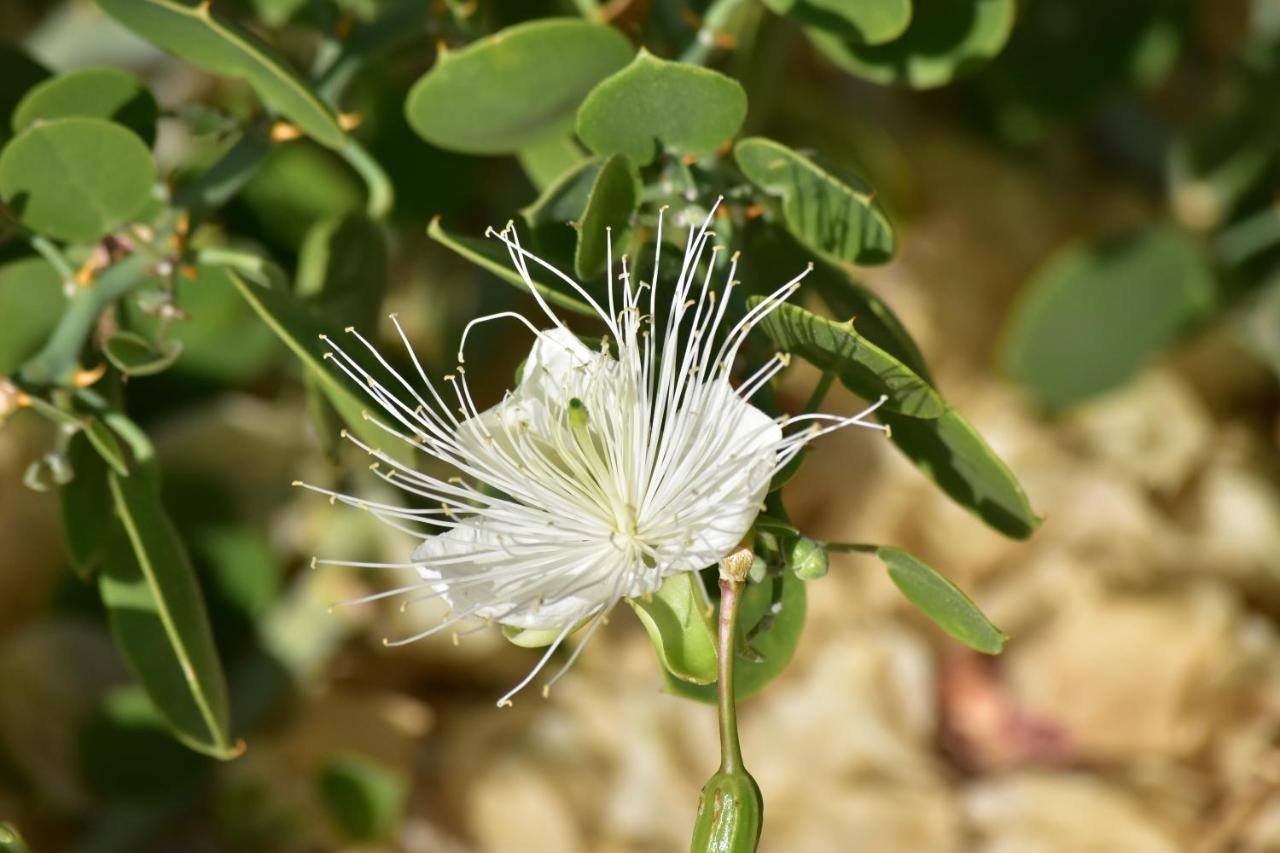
x=730 y=814
x=807 y=559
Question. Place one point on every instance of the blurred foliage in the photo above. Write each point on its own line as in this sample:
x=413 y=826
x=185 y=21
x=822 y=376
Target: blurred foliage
x=187 y=211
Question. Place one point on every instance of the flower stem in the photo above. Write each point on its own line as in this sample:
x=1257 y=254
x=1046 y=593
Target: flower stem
x=730 y=750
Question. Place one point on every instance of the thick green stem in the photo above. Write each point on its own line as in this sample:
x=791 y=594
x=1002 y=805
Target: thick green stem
x=730 y=750
x=54 y=256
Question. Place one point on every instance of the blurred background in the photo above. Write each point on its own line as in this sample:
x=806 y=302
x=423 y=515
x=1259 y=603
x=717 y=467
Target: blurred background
x=1088 y=242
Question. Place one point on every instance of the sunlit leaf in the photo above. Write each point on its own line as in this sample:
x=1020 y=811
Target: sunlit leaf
x=1097 y=312
x=105 y=93
x=683 y=634
x=192 y=32
x=653 y=104
x=159 y=620
x=942 y=601
x=827 y=214
x=515 y=88
x=76 y=178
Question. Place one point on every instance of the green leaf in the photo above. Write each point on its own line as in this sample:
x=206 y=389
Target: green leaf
x=545 y=161
x=863 y=367
x=134 y=355
x=943 y=41
x=1096 y=312
x=104 y=441
x=105 y=93
x=614 y=197
x=515 y=88
x=863 y=21
x=342 y=270
x=159 y=620
x=873 y=317
x=84 y=504
x=770 y=638
x=823 y=212
x=76 y=179
x=564 y=200
x=951 y=453
x=296 y=325
x=29 y=289
x=683 y=633
x=653 y=103
x=492 y=256
x=362 y=798
x=194 y=34
x=298 y=186
x=942 y=601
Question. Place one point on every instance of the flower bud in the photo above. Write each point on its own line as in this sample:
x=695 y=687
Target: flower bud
x=730 y=814
x=807 y=559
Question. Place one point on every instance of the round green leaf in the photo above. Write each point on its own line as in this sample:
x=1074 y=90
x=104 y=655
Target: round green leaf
x=193 y=33
x=942 y=601
x=946 y=38
x=863 y=367
x=651 y=103
x=515 y=88
x=829 y=215
x=864 y=21
x=1097 y=312
x=106 y=93
x=76 y=179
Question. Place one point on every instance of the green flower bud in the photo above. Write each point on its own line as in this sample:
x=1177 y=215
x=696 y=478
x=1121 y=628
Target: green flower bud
x=730 y=815
x=807 y=559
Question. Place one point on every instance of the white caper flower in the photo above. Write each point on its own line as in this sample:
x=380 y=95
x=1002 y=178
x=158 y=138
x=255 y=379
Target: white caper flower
x=604 y=470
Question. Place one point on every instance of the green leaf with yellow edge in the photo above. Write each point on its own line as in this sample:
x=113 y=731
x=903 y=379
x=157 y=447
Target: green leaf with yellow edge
x=105 y=93
x=942 y=601
x=1096 y=312
x=297 y=326
x=76 y=179
x=193 y=33
x=828 y=214
x=515 y=88
x=770 y=619
x=862 y=21
x=491 y=255
x=943 y=41
x=682 y=631
x=863 y=367
x=654 y=104
x=159 y=620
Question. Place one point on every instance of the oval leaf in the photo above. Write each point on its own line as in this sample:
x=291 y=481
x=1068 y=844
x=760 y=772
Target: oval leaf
x=1097 y=312
x=863 y=367
x=682 y=632
x=823 y=212
x=191 y=32
x=76 y=179
x=952 y=454
x=651 y=103
x=159 y=620
x=105 y=93
x=943 y=41
x=942 y=601
x=514 y=88
x=864 y=21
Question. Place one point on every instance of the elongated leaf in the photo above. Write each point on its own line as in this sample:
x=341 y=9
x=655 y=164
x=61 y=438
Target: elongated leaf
x=192 y=32
x=159 y=620
x=942 y=601
x=770 y=619
x=943 y=41
x=1097 y=312
x=515 y=88
x=105 y=93
x=296 y=325
x=871 y=315
x=615 y=195
x=951 y=453
x=862 y=366
x=652 y=102
x=85 y=507
x=683 y=634
x=829 y=215
x=492 y=256
x=75 y=178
